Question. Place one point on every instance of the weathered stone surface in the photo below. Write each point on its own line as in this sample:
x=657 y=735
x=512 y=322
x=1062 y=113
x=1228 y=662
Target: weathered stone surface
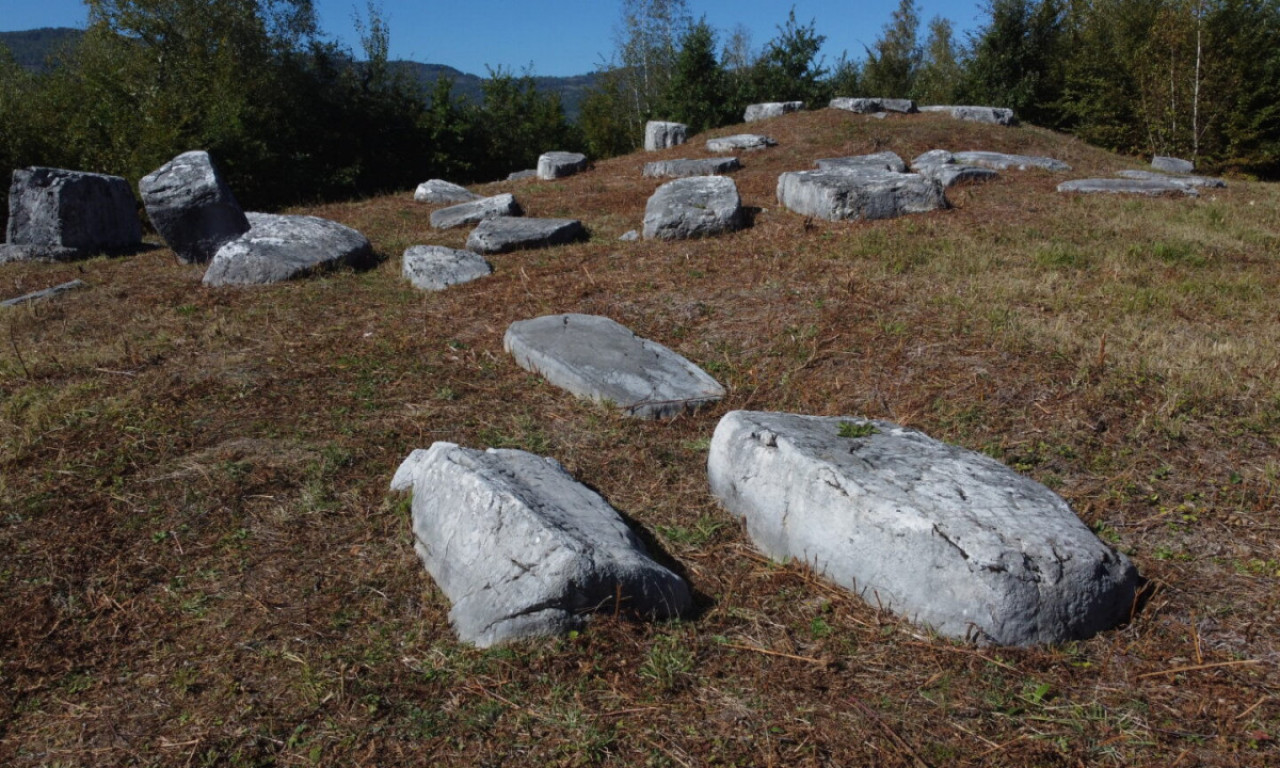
x=191 y=207
x=883 y=161
x=990 y=115
x=1172 y=164
x=1003 y=162
x=522 y=550
x=476 y=211
x=439 y=192
x=941 y=166
x=703 y=166
x=434 y=267
x=740 y=141
x=699 y=206
x=505 y=234
x=659 y=134
x=943 y=536
x=849 y=194
x=756 y=112
x=596 y=358
x=278 y=248
x=58 y=215
x=521 y=175
x=46 y=293
x=1148 y=187
x=869 y=106
x=630 y=236
x=1199 y=182
x=557 y=165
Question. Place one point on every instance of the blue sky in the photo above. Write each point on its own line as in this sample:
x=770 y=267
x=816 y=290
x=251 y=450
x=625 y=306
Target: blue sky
x=568 y=37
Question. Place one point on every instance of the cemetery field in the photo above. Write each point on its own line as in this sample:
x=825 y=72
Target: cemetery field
x=201 y=562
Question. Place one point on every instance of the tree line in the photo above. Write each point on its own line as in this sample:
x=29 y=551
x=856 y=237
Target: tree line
x=292 y=117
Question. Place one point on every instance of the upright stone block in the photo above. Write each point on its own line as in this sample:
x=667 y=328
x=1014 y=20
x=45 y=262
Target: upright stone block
x=56 y=214
x=557 y=165
x=191 y=207
x=659 y=134
x=698 y=206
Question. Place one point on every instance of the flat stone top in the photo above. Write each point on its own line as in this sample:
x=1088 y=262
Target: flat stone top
x=1191 y=181
x=885 y=161
x=1003 y=162
x=476 y=210
x=1148 y=187
x=441 y=191
x=705 y=166
x=504 y=233
x=1173 y=164
x=279 y=247
x=740 y=141
x=597 y=358
x=870 y=105
x=435 y=267
x=193 y=170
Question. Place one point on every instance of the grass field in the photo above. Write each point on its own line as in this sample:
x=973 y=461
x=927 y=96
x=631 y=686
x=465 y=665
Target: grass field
x=200 y=563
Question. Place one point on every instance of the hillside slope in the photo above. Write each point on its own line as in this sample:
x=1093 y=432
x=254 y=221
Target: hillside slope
x=204 y=566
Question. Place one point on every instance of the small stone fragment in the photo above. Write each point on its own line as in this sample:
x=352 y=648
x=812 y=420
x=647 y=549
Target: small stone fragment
x=46 y=293
x=504 y=234
x=659 y=134
x=557 y=165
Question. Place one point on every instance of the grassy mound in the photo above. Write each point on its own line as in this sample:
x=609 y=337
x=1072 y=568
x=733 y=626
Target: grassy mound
x=200 y=563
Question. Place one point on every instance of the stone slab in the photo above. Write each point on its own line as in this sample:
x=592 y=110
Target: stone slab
x=476 y=211
x=523 y=550
x=1003 y=162
x=883 y=161
x=740 y=141
x=1199 y=182
x=703 y=166
x=278 y=248
x=521 y=175
x=59 y=215
x=699 y=206
x=869 y=106
x=192 y=207
x=1146 y=187
x=441 y=192
x=597 y=358
x=505 y=234
x=1172 y=164
x=848 y=195
x=943 y=536
x=770 y=109
x=557 y=165
x=661 y=134
x=435 y=267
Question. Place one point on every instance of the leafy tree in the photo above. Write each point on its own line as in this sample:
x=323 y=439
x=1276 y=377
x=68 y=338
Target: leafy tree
x=939 y=78
x=648 y=49
x=699 y=91
x=604 y=120
x=517 y=123
x=790 y=68
x=894 y=61
x=1016 y=60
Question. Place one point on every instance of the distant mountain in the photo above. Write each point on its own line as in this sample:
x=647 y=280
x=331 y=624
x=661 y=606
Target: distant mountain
x=32 y=49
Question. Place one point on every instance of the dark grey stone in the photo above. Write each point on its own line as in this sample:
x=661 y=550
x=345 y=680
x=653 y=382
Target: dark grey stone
x=596 y=358
x=278 y=248
x=434 y=267
x=943 y=536
x=505 y=234
x=709 y=166
x=439 y=191
x=698 y=206
x=659 y=134
x=46 y=293
x=523 y=550
x=630 y=236
x=59 y=215
x=557 y=165
x=740 y=141
x=476 y=211
x=191 y=207
x=849 y=194
x=764 y=111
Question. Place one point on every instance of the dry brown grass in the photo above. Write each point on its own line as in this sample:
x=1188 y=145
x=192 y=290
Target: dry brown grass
x=200 y=564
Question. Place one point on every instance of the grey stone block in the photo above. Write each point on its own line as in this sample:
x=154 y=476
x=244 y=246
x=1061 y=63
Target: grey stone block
x=740 y=141
x=1003 y=162
x=691 y=167
x=278 y=248
x=557 y=165
x=1199 y=182
x=1146 y=187
x=434 y=267
x=59 y=215
x=699 y=206
x=191 y=207
x=847 y=194
x=505 y=234
x=868 y=106
x=522 y=550
x=659 y=134
x=1172 y=164
x=476 y=211
x=521 y=175
x=882 y=161
x=439 y=191
x=942 y=536
x=596 y=358
x=764 y=111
